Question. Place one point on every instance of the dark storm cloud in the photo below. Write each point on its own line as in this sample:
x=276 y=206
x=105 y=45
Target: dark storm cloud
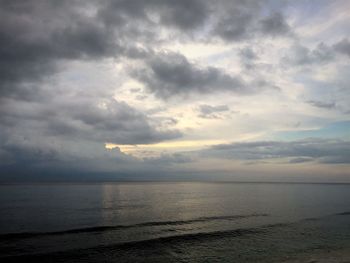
x=320 y=150
x=102 y=121
x=210 y=112
x=44 y=126
x=41 y=125
x=170 y=74
x=44 y=164
x=70 y=135
x=35 y=33
x=36 y=36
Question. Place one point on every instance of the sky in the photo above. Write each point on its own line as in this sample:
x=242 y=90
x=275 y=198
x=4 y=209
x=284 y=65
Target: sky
x=175 y=90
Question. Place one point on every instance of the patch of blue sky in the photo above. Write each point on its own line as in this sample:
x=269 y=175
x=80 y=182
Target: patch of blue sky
x=336 y=130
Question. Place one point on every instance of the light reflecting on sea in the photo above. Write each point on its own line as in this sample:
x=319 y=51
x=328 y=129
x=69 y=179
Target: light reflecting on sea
x=57 y=207
x=172 y=217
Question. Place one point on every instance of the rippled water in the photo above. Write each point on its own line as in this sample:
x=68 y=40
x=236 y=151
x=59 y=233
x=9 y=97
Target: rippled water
x=173 y=222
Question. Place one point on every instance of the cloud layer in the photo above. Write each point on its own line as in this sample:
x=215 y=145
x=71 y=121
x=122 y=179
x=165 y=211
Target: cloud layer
x=170 y=76
x=307 y=150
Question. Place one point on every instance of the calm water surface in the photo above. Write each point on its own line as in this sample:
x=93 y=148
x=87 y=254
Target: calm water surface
x=176 y=222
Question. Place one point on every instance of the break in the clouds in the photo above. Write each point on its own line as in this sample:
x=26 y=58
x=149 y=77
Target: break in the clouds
x=166 y=87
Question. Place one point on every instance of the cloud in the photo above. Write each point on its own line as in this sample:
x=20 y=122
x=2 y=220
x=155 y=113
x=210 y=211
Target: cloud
x=248 y=54
x=343 y=47
x=210 y=112
x=45 y=122
x=321 y=104
x=101 y=121
x=35 y=34
x=301 y=160
x=274 y=25
x=301 y=56
x=38 y=37
x=248 y=58
x=234 y=27
x=322 y=54
x=229 y=20
x=70 y=134
x=182 y=14
x=170 y=74
x=67 y=73
x=242 y=20
x=166 y=159
x=321 y=150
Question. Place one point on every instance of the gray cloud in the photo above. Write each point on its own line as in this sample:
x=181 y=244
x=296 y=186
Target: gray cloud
x=166 y=159
x=101 y=121
x=210 y=112
x=321 y=104
x=321 y=150
x=38 y=36
x=46 y=125
x=43 y=126
x=343 y=47
x=182 y=14
x=248 y=58
x=241 y=20
x=234 y=27
x=248 y=54
x=66 y=134
x=34 y=34
x=301 y=160
x=170 y=74
x=300 y=55
x=274 y=25
x=321 y=54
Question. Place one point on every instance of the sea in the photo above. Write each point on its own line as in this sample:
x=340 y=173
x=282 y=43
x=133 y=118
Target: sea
x=172 y=221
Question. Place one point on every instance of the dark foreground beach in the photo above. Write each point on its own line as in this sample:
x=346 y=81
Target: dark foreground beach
x=179 y=222
x=324 y=256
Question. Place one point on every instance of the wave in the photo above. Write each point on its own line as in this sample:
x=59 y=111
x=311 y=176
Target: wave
x=119 y=227
x=347 y=213
x=186 y=238
x=155 y=243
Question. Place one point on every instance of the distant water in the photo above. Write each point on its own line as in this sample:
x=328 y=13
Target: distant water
x=171 y=222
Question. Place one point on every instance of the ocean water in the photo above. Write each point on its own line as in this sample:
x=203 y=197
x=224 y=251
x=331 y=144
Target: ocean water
x=172 y=222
